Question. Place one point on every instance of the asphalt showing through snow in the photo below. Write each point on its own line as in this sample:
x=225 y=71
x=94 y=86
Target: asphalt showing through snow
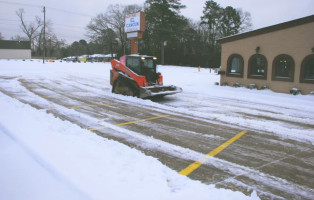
x=276 y=168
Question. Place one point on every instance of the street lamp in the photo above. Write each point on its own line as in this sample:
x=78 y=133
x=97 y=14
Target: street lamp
x=163 y=44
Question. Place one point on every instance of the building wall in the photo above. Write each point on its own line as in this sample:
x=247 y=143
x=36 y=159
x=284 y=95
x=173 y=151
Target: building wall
x=296 y=41
x=15 y=54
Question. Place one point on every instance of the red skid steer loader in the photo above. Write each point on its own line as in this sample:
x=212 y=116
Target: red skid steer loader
x=135 y=75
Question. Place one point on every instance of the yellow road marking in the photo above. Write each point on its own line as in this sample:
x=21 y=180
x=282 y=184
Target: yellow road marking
x=213 y=153
x=60 y=95
x=91 y=105
x=131 y=122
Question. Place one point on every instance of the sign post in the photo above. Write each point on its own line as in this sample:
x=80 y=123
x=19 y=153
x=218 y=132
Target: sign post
x=134 y=27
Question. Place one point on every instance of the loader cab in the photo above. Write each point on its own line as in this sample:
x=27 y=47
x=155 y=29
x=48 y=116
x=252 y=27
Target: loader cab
x=143 y=65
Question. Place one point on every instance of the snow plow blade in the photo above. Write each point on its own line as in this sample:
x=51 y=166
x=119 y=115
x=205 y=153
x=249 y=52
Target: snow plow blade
x=158 y=91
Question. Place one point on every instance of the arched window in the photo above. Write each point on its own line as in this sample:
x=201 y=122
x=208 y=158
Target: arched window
x=257 y=67
x=235 y=65
x=307 y=69
x=283 y=68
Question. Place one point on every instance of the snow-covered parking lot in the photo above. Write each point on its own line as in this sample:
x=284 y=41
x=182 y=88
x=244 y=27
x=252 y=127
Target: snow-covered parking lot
x=48 y=148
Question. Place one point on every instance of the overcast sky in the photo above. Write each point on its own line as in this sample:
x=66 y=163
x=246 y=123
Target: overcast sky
x=70 y=17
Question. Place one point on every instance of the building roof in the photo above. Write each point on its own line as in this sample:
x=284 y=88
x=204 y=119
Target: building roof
x=10 y=44
x=268 y=29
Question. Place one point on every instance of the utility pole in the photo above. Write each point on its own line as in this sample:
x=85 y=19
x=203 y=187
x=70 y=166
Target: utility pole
x=44 y=35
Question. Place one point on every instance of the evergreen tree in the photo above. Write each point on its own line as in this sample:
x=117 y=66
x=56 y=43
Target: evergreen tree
x=164 y=25
x=220 y=22
x=231 y=21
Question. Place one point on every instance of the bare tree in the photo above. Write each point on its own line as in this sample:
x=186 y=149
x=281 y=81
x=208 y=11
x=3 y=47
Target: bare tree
x=113 y=18
x=31 y=28
x=53 y=44
x=38 y=38
x=1 y=37
x=96 y=25
x=116 y=19
x=246 y=21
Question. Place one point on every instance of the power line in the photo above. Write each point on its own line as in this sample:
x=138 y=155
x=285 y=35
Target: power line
x=66 y=26
x=8 y=24
x=15 y=20
x=12 y=30
x=51 y=8
x=70 y=12
x=53 y=24
x=11 y=20
x=21 y=4
x=63 y=36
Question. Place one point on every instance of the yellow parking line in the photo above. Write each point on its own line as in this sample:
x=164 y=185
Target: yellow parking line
x=59 y=95
x=93 y=105
x=131 y=122
x=213 y=153
x=82 y=106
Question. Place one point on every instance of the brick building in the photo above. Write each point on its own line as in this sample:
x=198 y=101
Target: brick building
x=280 y=57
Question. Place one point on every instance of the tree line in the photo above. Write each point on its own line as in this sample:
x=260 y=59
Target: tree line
x=173 y=38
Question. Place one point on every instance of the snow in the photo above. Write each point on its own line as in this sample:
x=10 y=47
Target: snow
x=102 y=55
x=44 y=157
x=237 y=105
x=83 y=166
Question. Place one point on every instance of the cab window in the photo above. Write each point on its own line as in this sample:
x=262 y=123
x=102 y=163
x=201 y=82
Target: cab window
x=134 y=64
x=148 y=63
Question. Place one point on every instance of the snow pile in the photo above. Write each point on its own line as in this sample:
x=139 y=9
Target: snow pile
x=43 y=157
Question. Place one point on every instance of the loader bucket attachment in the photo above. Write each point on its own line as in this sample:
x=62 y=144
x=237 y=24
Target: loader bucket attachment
x=158 y=91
